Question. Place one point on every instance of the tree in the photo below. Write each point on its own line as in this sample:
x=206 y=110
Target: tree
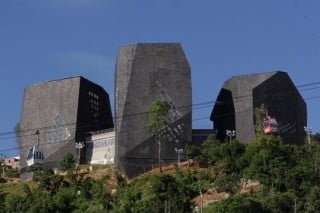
x=2 y=198
x=157 y=121
x=65 y=199
x=68 y=162
x=267 y=161
x=312 y=203
x=237 y=203
x=193 y=152
x=169 y=194
x=235 y=152
x=49 y=181
x=228 y=183
x=259 y=115
x=15 y=203
x=315 y=137
x=211 y=150
x=276 y=201
x=101 y=192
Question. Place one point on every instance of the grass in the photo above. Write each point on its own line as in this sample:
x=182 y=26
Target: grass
x=17 y=187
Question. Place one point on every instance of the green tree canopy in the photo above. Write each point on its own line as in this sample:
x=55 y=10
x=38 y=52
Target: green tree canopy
x=157 y=115
x=68 y=162
x=157 y=121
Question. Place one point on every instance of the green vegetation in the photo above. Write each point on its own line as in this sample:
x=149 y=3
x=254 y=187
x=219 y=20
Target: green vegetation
x=68 y=162
x=157 y=121
x=288 y=177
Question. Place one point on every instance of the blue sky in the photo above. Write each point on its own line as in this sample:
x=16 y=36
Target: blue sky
x=42 y=40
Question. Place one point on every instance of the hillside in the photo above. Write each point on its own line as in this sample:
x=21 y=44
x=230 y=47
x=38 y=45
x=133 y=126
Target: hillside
x=285 y=180
x=15 y=186
x=211 y=194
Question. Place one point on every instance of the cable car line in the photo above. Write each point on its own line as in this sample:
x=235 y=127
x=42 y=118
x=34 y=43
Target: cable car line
x=196 y=106
x=29 y=132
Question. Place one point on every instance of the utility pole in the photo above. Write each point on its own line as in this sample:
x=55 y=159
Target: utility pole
x=308 y=130
x=201 y=198
x=38 y=137
x=2 y=164
x=230 y=134
x=179 y=152
x=79 y=146
x=159 y=153
x=3 y=169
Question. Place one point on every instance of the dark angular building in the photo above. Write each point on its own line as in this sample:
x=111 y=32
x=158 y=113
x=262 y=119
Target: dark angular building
x=63 y=111
x=241 y=95
x=146 y=72
x=201 y=135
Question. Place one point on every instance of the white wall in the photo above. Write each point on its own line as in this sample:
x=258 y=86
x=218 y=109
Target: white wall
x=100 y=148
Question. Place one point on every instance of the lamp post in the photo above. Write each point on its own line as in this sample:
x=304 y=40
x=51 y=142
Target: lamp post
x=230 y=134
x=79 y=146
x=3 y=169
x=179 y=151
x=308 y=130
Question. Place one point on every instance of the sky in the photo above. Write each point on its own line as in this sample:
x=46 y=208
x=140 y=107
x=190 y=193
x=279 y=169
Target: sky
x=42 y=40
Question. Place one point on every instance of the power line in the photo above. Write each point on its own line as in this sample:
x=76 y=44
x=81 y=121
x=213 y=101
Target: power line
x=309 y=84
x=311 y=88
x=132 y=116
x=314 y=97
x=28 y=132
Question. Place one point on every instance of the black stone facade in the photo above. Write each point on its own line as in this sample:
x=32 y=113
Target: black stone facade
x=64 y=111
x=241 y=95
x=201 y=135
x=145 y=73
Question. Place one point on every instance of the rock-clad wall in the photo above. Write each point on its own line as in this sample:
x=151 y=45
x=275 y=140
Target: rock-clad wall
x=63 y=111
x=145 y=73
x=241 y=95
